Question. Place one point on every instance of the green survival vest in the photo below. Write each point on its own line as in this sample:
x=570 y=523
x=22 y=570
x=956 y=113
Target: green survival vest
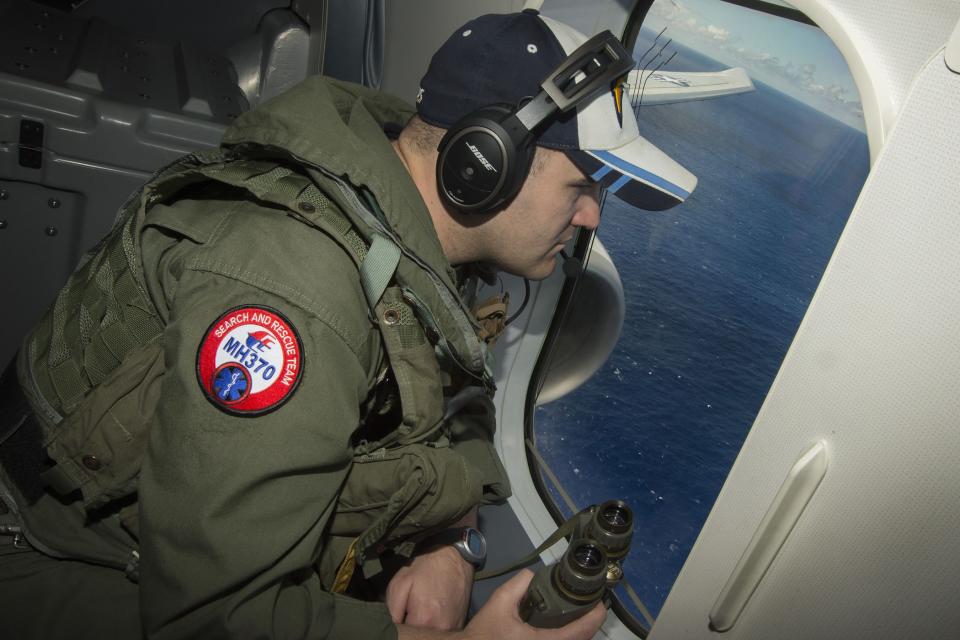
x=404 y=483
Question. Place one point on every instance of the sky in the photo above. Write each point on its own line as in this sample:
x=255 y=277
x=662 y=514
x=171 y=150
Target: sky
x=797 y=59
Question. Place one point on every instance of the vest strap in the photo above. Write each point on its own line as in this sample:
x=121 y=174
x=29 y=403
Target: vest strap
x=378 y=267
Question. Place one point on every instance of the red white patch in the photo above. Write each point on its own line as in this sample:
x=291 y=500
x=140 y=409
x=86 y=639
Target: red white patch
x=250 y=361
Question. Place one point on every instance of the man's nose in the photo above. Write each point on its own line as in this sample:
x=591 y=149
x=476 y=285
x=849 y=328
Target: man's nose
x=588 y=213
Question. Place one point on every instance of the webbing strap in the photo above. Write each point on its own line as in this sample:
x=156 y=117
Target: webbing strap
x=378 y=268
x=565 y=529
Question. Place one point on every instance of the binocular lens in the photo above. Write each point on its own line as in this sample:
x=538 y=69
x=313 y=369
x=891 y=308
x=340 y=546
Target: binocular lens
x=583 y=570
x=588 y=557
x=615 y=516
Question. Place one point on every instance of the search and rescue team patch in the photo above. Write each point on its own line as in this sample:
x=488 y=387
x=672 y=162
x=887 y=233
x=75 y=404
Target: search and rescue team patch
x=250 y=361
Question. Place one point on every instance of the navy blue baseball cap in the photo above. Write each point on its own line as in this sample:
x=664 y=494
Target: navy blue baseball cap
x=504 y=58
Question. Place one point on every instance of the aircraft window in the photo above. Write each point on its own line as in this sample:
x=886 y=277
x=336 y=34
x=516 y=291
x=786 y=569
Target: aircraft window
x=716 y=287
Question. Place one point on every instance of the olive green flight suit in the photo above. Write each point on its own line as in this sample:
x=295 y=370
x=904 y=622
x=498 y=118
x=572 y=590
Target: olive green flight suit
x=237 y=524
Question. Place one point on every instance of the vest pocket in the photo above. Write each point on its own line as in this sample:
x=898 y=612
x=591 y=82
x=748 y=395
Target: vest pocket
x=393 y=494
x=99 y=448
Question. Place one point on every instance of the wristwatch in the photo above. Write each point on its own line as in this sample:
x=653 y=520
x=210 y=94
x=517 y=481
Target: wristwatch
x=469 y=542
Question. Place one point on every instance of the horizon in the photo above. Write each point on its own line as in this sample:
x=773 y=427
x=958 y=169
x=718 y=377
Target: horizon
x=793 y=58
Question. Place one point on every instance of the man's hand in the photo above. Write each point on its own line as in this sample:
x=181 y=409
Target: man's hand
x=499 y=619
x=433 y=591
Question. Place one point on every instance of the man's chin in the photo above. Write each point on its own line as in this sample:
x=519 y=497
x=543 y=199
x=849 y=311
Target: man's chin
x=543 y=269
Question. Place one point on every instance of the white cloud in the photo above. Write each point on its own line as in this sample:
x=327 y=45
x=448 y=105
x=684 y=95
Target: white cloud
x=717 y=33
x=690 y=27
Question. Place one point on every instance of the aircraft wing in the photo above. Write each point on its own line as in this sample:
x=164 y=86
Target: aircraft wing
x=665 y=87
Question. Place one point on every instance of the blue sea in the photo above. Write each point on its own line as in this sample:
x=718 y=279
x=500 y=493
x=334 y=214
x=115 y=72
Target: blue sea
x=715 y=290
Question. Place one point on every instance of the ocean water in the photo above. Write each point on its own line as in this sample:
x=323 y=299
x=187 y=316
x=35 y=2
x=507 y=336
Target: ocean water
x=715 y=290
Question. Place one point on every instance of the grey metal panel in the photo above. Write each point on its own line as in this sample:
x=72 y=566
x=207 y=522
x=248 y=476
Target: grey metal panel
x=38 y=244
x=211 y=24
x=62 y=49
x=276 y=58
x=354 y=45
x=414 y=30
x=92 y=188
x=113 y=107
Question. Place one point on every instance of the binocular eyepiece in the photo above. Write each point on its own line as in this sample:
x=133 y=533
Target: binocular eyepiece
x=591 y=565
x=612 y=526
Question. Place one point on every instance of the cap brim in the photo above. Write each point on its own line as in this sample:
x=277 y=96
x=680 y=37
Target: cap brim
x=637 y=173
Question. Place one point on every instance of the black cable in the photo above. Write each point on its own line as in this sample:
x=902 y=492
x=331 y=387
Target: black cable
x=523 y=305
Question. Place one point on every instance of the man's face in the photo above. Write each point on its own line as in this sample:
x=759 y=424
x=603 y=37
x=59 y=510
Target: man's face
x=553 y=202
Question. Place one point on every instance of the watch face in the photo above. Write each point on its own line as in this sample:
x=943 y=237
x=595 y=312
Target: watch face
x=475 y=542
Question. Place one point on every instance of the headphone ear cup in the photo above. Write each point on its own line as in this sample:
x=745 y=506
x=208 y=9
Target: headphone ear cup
x=482 y=164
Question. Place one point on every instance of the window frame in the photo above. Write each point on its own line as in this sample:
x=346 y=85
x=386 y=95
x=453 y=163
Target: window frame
x=582 y=248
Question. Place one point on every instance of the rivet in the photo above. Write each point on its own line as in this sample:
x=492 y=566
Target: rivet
x=4 y=194
x=53 y=203
x=91 y=462
x=391 y=317
x=51 y=231
x=306 y=207
x=432 y=336
x=3 y=224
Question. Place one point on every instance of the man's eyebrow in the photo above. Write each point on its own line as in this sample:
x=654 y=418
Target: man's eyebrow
x=582 y=183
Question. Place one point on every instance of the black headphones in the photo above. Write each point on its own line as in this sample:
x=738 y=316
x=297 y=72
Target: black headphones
x=486 y=155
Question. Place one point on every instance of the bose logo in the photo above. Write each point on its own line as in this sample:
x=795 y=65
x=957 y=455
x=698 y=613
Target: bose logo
x=486 y=163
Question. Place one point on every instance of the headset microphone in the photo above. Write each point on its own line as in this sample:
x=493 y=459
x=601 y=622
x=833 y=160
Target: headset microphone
x=572 y=266
x=485 y=156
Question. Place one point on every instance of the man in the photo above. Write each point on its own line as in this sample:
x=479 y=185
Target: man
x=258 y=406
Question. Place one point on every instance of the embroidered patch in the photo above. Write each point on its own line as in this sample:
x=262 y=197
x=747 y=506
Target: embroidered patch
x=250 y=361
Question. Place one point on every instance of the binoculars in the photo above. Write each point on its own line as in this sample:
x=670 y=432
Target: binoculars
x=590 y=566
